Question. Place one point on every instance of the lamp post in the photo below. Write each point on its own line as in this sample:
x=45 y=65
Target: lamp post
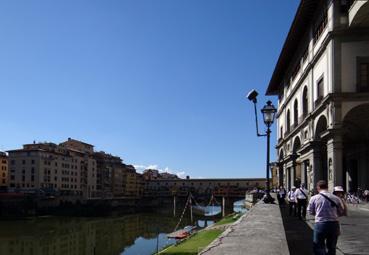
x=268 y=112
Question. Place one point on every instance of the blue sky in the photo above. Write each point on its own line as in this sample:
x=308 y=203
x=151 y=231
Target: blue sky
x=156 y=82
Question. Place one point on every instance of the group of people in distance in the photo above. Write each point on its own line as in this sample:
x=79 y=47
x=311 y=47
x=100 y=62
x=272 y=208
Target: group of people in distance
x=325 y=206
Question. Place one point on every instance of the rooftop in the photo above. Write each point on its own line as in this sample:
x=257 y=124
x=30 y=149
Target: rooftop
x=77 y=141
x=300 y=24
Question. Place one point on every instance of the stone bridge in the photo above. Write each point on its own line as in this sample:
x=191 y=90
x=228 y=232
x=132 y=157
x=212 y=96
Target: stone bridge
x=225 y=191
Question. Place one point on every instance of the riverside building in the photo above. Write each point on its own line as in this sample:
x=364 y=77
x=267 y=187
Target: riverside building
x=322 y=83
x=3 y=170
x=133 y=182
x=109 y=180
x=65 y=169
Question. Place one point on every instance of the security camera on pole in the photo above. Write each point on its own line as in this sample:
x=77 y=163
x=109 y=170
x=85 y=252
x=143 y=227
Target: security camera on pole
x=268 y=112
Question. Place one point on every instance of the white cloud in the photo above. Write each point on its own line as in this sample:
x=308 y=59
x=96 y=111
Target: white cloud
x=141 y=168
x=181 y=174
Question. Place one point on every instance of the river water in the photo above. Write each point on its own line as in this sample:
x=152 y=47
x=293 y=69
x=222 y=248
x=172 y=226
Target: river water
x=135 y=234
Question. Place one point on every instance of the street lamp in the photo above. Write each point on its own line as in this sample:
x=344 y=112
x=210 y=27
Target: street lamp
x=268 y=112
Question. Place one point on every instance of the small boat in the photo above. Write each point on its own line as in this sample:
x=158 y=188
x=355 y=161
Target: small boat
x=182 y=233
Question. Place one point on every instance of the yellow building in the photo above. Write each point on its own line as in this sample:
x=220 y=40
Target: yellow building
x=275 y=176
x=62 y=169
x=133 y=183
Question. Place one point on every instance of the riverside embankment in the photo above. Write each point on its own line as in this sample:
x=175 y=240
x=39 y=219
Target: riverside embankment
x=259 y=231
x=268 y=229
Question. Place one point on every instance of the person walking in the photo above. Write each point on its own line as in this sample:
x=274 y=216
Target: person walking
x=326 y=208
x=366 y=194
x=301 y=196
x=281 y=195
x=339 y=192
x=292 y=201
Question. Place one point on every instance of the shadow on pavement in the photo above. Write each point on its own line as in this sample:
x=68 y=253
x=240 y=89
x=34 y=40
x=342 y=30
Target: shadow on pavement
x=298 y=233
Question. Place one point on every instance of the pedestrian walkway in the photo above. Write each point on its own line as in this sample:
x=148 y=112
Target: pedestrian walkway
x=354 y=238
x=299 y=234
x=259 y=231
x=268 y=229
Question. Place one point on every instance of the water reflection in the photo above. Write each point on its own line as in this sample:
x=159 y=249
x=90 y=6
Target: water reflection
x=128 y=235
x=84 y=236
x=239 y=206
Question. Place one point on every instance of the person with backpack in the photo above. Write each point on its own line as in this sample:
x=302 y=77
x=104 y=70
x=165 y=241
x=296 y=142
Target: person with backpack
x=301 y=196
x=326 y=208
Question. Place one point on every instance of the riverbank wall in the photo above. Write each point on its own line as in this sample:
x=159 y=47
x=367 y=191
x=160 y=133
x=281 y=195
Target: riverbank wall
x=19 y=206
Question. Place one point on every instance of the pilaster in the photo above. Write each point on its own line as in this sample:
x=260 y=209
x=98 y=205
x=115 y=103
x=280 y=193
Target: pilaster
x=335 y=161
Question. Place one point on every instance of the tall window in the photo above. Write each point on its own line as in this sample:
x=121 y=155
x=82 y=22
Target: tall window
x=295 y=113
x=363 y=74
x=320 y=90
x=288 y=121
x=305 y=102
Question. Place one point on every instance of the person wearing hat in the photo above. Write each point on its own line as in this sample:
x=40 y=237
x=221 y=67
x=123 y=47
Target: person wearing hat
x=326 y=207
x=366 y=194
x=292 y=201
x=339 y=192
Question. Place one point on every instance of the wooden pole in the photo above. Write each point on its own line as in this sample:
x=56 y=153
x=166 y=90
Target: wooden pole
x=157 y=240
x=190 y=203
x=191 y=209
x=223 y=206
x=174 y=205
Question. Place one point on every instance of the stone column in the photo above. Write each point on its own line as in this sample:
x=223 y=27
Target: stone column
x=292 y=176
x=297 y=170
x=294 y=170
x=288 y=178
x=280 y=175
x=335 y=162
x=316 y=166
x=304 y=173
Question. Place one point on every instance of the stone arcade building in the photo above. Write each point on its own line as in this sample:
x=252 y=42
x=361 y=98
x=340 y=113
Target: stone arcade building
x=322 y=82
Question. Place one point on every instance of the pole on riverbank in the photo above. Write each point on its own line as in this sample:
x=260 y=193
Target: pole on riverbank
x=157 y=240
x=174 y=206
x=223 y=206
x=191 y=209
